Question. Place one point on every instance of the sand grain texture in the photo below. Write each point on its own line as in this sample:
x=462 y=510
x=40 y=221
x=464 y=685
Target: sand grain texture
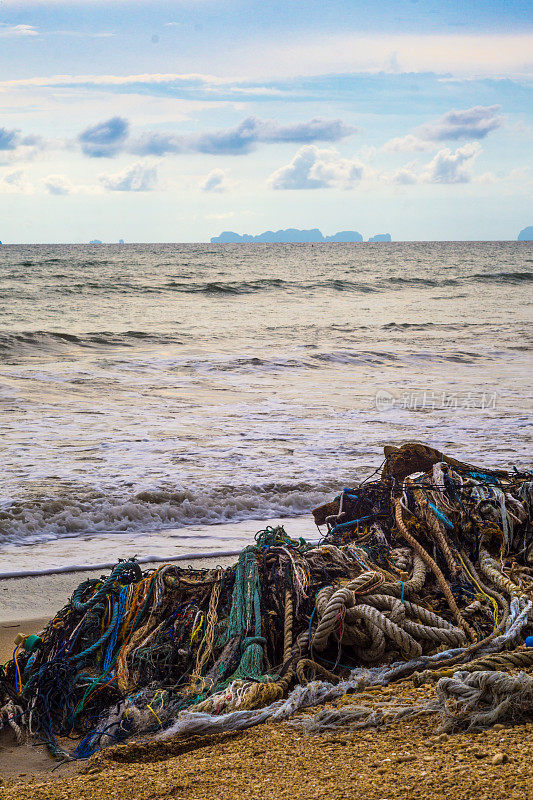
x=409 y=761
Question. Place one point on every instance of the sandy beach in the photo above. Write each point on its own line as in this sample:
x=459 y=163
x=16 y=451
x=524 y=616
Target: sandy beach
x=409 y=761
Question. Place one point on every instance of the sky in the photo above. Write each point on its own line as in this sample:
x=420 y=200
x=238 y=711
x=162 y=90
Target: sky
x=174 y=121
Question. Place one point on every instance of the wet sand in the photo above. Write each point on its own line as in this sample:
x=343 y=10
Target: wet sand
x=10 y=628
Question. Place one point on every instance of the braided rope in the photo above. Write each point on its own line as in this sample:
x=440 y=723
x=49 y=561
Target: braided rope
x=475 y=701
x=332 y=615
x=287 y=627
x=435 y=569
x=515 y=659
x=406 y=644
x=411 y=586
x=437 y=533
x=452 y=637
x=489 y=568
x=370 y=653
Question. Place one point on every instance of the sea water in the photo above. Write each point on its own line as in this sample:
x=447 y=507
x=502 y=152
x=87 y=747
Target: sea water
x=170 y=399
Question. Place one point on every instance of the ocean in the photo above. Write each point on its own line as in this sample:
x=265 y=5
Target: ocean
x=167 y=399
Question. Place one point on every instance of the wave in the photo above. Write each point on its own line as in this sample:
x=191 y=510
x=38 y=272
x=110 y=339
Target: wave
x=65 y=285
x=412 y=280
x=267 y=284
x=504 y=277
x=29 y=343
x=227 y=287
x=355 y=357
x=30 y=346
x=422 y=326
x=185 y=284
x=92 y=512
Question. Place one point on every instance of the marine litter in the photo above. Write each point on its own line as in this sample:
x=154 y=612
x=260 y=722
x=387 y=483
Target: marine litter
x=423 y=573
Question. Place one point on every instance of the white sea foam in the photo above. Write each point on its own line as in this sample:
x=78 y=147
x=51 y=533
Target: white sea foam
x=92 y=513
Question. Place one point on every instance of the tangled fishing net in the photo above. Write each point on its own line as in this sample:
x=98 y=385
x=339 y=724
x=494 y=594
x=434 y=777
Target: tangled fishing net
x=426 y=571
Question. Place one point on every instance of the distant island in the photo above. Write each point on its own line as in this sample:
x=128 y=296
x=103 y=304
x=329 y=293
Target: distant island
x=381 y=237
x=95 y=241
x=287 y=236
x=525 y=235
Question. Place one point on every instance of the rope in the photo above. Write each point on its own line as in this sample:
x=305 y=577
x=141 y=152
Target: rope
x=516 y=659
x=434 y=569
x=287 y=630
x=290 y=624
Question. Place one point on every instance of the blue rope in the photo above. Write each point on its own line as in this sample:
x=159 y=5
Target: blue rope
x=311 y=622
x=343 y=525
x=121 y=602
x=443 y=518
x=102 y=640
x=484 y=477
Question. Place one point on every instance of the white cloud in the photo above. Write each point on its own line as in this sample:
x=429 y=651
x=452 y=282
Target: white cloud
x=404 y=176
x=111 y=137
x=449 y=167
x=223 y=215
x=145 y=79
x=497 y=55
x=367 y=152
x=243 y=138
x=15 y=182
x=58 y=185
x=407 y=144
x=216 y=181
x=105 y=139
x=520 y=174
x=315 y=168
x=17 y=30
x=445 y=167
x=138 y=177
x=487 y=178
x=16 y=148
x=469 y=123
x=61 y=186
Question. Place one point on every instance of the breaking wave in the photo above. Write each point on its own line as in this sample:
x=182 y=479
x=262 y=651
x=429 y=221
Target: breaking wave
x=28 y=521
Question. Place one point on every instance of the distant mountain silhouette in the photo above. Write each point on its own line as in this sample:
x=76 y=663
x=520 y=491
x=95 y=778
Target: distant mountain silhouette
x=289 y=235
x=95 y=241
x=380 y=237
x=344 y=236
x=526 y=235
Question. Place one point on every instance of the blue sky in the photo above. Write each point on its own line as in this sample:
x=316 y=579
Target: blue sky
x=172 y=121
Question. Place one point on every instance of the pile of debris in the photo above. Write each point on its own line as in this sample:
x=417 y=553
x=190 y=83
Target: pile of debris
x=424 y=571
